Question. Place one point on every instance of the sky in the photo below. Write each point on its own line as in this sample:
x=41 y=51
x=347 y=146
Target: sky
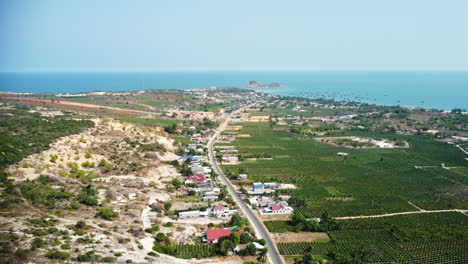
x=241 y=35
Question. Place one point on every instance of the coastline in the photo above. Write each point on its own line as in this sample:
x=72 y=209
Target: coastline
x=432 y=90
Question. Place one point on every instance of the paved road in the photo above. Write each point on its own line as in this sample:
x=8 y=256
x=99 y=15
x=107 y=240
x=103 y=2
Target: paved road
x=274 y=256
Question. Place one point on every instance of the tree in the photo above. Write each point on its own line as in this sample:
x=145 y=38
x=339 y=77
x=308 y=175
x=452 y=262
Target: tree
x=235 y=238
x=107 y=213
x=167 y=206
x=160 y=237
x=263 y=255
x=245 y=238
x=236 y=220
x=177 y=183
x=262 y=241
x=298 y=218
x=225 y=245
x=171 y=129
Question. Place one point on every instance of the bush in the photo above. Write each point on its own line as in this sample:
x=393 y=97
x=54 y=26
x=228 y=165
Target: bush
x=65 y=246
x=168 y=224
x=108 y=259
x=90 y=256
x=22 y=253
x=56 y=254
x=107 y=213
x=167 y=206
x=37 y=243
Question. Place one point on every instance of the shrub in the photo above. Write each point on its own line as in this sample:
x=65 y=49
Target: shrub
x=106 y=213
x=90 y=256
x=37 y=243
x=56 y=254
x=22 y=253
x=53 y=158
x=108 y=259
x=65 y=246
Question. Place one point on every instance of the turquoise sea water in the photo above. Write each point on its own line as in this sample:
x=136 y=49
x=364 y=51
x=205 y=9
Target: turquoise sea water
x=441 y=90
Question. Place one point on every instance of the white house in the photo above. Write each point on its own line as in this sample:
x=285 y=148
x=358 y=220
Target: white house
x=243 y=176
x=210 y=198
x=189 y=214
x=218 y=210
x=276 y=209
x=240 y=247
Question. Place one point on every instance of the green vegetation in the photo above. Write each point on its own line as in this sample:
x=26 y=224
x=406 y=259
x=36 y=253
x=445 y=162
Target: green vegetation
x=194 y=251
x=304 y=130
x=367 y=182
x=87 y=196
x=39 y=192
x=23 y=133
x=106 y=213
x=300 y=223
x=56 y=254
x=394 y=238
x=147 y=122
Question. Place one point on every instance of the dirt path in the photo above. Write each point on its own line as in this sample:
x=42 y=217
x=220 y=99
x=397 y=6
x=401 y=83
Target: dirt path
x=464 y=151
x=402 y=213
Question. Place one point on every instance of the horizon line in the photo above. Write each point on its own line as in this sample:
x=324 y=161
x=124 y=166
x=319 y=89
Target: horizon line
x=242 y=71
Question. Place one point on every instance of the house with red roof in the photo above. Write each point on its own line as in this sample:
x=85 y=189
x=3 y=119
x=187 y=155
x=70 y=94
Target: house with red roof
x=195 y=178
x=213 y=235
x=218 y=210
x=280 y=207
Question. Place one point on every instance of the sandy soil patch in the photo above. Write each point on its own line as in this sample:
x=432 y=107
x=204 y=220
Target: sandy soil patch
x=340 y=198
x=360 y=142
x=258 y=119
x=299 y=236
x=234 y=128
x=287 y=186
x=272 y=217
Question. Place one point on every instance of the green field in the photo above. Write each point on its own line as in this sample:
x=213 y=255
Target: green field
x=367 y=182
x=416 y=238
x=308 y=112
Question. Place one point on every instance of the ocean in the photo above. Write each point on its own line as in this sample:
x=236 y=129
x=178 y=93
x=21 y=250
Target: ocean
x=440 y=90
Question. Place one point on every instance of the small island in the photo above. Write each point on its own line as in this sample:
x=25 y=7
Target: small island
x=255 y=84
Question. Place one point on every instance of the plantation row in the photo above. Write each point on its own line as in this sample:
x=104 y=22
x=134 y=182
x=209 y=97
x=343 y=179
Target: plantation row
x=438 y=251
x=194 y=251
x=448 y=223
x=416 y=252
x=451 y=219
x=368 y=182
x=377 y=252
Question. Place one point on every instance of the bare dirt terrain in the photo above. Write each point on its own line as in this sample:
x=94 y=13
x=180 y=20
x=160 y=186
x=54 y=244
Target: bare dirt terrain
x=300 y=237
x=126 y=166
x=353 y=142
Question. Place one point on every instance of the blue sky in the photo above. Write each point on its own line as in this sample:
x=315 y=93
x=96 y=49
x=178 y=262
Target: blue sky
x=243 y=35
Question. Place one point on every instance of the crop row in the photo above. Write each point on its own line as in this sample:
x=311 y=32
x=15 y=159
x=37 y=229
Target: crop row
x=194 y=251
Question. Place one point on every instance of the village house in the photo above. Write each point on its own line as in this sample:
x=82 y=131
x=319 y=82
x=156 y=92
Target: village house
x=258 y=246
x=242 y=176
x=279 y=208
x=259 y=188
x=213 y=235
x=262 y=201
x=195 y=178
x=218 y=210
x=227 y=158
